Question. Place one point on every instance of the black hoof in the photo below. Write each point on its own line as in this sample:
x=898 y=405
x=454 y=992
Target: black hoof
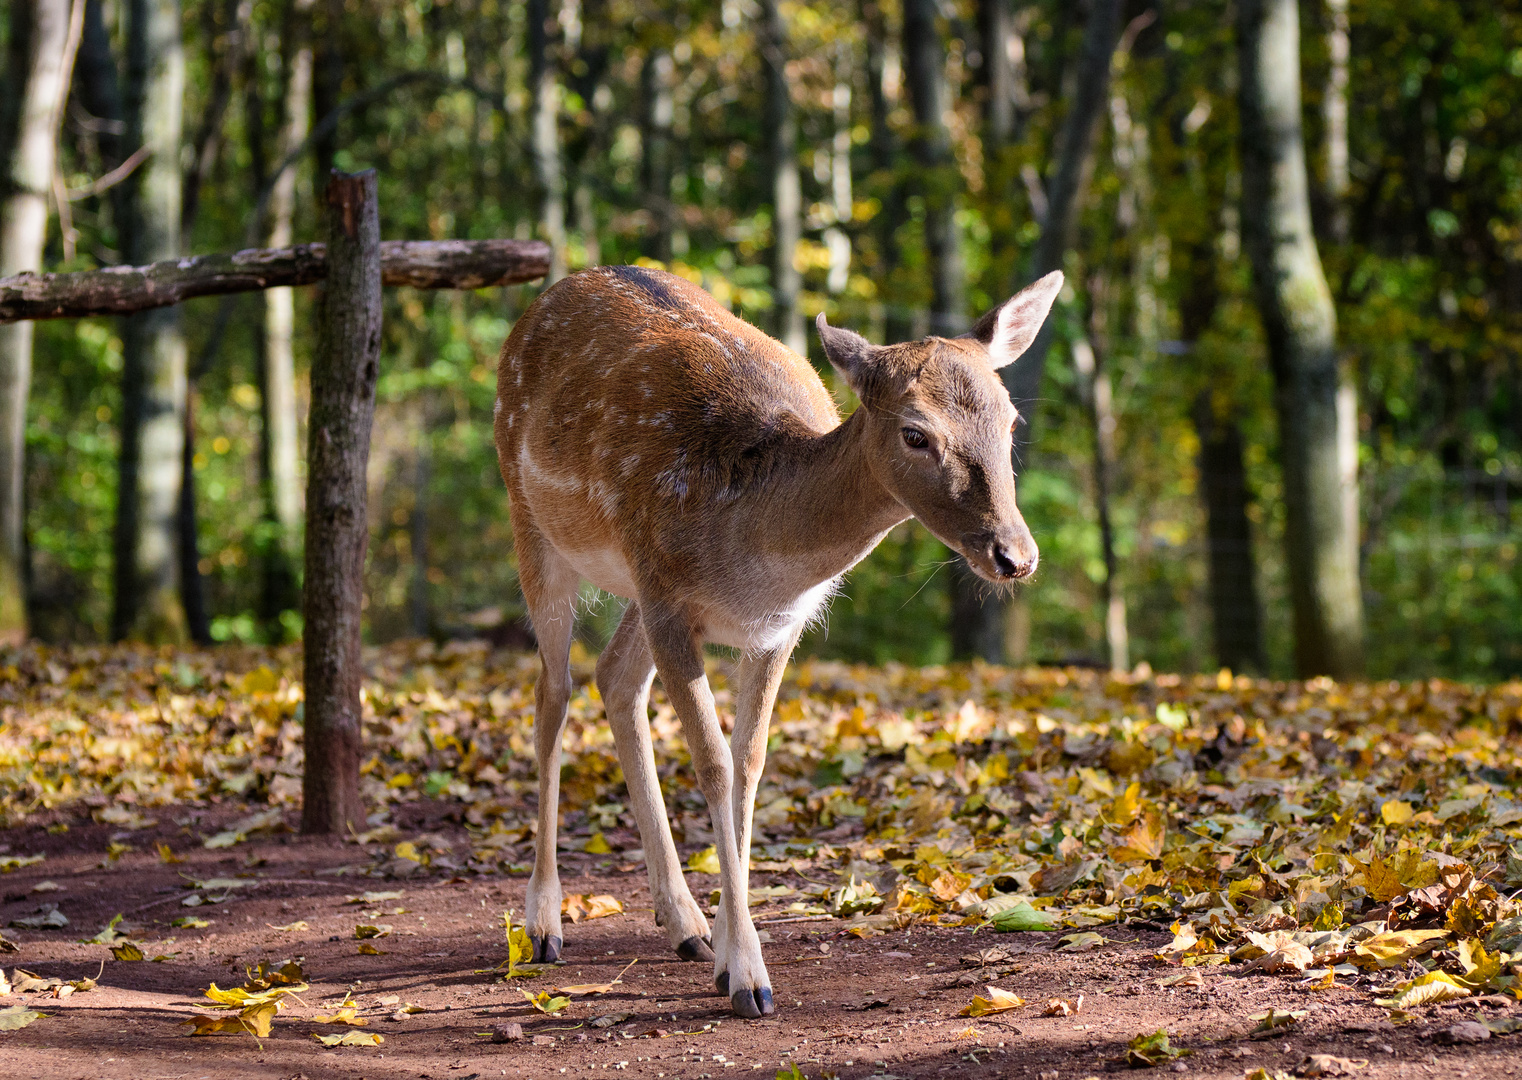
x=546 y=949
x=721 y=982
x=752 y=1004
x=695 y=948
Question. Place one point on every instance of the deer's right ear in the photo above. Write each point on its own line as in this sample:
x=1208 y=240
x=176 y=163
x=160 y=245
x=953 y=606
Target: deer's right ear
x=1008 y=330
x=849 y=352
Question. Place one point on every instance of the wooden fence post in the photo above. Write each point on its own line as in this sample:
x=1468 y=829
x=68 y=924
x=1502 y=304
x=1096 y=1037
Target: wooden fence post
x=344 y=374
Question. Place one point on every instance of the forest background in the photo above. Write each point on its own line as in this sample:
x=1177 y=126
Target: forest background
x=892 y=164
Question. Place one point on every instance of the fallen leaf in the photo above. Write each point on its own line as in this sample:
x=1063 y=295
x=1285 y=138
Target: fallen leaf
x=997 y=1001
x=374 y=897
x=1393 y=948
x=365 y=931
x=705 y=861
x=1062 y=1007
x=1148 y=1051
x=290 y=928
x=581 y=906
x=1434 y=988
x=16 y=1017
x=544 y=1002
x=346 y=1014
x=1079 y=943
x=351 y=1038
x=1328 y=1065
x=1275 y=1019
x=366 y=949
x=127 y=951
x=608 y=1020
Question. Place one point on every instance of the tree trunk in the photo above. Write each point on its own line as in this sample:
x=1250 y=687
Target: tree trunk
x=1094 y=392
x=544 y=136
x=98 y=90
x=1335 y=108
x=995 y=29
x=51 y=39
x=1228 y=537
x=787 y=190
x=1063 y=194
x=657 y=111
x=835 y=237
x=1316 y=414
x=882 y=83
x=192 y=588
x=344 y=374
x=279 y=447
x=153 y=347
x=328 y=81
x=925 y=73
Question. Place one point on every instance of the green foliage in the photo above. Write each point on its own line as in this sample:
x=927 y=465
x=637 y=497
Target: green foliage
x=1425 y=280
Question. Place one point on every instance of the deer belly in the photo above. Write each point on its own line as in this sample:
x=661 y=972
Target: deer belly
x=605 y=568
x=764 y=630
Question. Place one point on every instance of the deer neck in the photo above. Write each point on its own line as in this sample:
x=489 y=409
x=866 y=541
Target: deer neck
x=825 y=506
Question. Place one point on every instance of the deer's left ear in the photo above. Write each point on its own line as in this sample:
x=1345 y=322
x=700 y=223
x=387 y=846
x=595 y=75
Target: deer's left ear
x=1008 y=330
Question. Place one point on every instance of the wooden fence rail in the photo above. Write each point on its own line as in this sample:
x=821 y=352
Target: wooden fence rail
x=122 y=290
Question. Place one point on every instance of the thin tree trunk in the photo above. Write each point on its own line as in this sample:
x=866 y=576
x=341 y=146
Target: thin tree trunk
x=1335 y=107
x=544 y=136
x=882 y=83
x=328 y=81
x=925 y=73
x=98 y=90
x=985 y=622
x=787 y=190
x=995 y=29
x=419 y=608
x=1233 y=591
x=192 y=587
x=51 y=38
x=835 y=238
x=1094 y=391
x=344 y=375
x=657 y=110
x=1316 y=418
x=280 y=448
x=153 y=347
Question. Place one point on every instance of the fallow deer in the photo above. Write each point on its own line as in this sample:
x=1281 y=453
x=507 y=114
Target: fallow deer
x=672 y=454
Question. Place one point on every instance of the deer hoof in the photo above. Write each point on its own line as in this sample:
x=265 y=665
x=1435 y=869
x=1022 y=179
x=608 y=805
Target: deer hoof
x=546 y=949
x=696 y=948
x=752 y=1004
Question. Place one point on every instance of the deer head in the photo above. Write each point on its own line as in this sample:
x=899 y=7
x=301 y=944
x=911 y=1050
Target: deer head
x=939 y=425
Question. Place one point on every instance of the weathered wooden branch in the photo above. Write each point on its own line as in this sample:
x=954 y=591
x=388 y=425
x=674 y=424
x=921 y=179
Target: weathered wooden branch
x=121 y=290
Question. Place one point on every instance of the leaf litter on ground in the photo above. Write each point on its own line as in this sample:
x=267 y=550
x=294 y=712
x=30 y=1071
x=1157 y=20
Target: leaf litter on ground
x=1368 y=824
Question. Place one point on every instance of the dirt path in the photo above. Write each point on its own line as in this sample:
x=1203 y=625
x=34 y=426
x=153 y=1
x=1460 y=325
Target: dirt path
x=882 y=1006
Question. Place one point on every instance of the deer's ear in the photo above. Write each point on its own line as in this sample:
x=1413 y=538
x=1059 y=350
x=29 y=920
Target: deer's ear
x=851 y=354
x=1008 y=330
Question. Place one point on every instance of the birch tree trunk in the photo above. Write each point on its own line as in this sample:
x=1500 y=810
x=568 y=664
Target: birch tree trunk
x=280 y=449
x=153 y=347
x=1335 y=107
x=1317 y=411
x=53 y=36
x=787 y=189
x=344 y=374
x=544 y=136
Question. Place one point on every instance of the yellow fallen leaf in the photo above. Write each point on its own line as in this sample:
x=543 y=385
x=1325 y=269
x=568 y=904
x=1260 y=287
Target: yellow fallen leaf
x=1395 y=947
x=1396 y=812
x=545 y=1003
x=705 y=861
x=366 y=949
x=346 y=1014
x=253 y=1020
x=350 y=1038
x=997 y=1001
x=365 y=931
x=1144 y=841
x=126 y=951
x=1434 y=988
x=598 y=845
x=408 y=850
x=167 y=855
x=1063 y=1007
x=290 y=928
x=582 y=989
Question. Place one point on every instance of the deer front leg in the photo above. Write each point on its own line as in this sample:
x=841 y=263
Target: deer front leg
x=760 y=676
x=624 y=673
x=549 y=586
x=739 y=970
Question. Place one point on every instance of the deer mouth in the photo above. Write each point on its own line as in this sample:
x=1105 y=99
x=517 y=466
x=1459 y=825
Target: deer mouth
x=1000 y=563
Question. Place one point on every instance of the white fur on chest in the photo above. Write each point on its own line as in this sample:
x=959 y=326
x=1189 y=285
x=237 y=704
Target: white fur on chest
x=762 y=631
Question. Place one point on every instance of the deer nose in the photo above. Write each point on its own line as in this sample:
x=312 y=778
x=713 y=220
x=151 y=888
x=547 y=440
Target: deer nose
x=1008 y=566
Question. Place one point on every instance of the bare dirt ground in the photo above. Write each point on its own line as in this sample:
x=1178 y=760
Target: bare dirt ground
x=884 y=1006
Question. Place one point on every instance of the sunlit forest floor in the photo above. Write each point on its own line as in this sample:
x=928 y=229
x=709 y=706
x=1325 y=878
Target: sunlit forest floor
x=965 y=869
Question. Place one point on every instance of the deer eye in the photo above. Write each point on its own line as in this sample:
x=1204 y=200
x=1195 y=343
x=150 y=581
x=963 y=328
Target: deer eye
x=914 y=438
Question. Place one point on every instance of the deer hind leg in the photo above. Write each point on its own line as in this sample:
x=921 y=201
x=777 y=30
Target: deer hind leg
x=549 y=588
x=624 y=673
x=760 y=676
x=739 y=970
